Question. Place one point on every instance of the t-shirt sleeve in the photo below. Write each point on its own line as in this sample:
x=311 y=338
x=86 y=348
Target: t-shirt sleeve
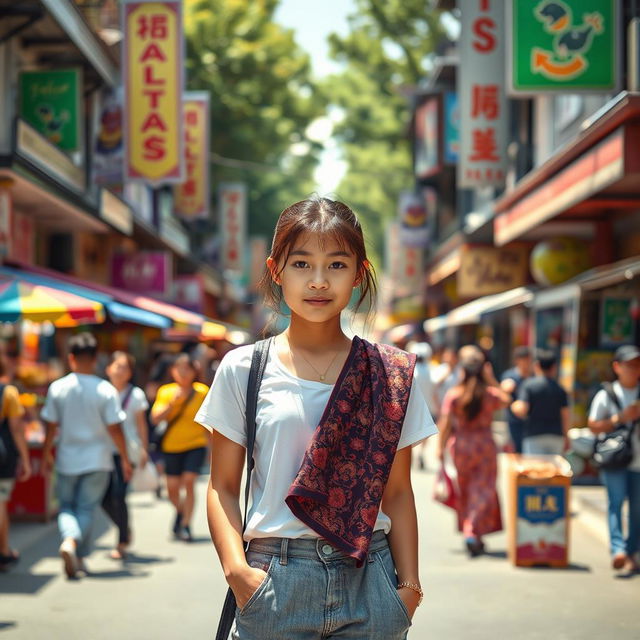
x=600 y=406
x=112 y=412
x=564 y=398
x=418 y=423
x=163 y=398
x=49 y=411
x=11 y=407
x=223 y=408
x=138 y=400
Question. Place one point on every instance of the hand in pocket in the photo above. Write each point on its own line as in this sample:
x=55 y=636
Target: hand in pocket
x=246 y=584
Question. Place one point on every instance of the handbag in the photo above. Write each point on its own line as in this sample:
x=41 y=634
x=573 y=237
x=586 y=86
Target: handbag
x=162 y=428
x=144 y=478
x=445 y=490
x=613 y=450
x=258 y=364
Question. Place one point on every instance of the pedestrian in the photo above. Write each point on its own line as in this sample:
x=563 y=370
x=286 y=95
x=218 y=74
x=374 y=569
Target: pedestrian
x=614 y=405
x=14 y=460
x=543 y=405
x=423 y=375
x=445 y=376
x=134 y=403
x=511 y=382
x=465 y=435
x=86 y=411
x=184 y=442
x=331 y=531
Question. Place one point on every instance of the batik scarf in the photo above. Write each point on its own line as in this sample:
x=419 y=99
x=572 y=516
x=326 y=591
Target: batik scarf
x=338 y=489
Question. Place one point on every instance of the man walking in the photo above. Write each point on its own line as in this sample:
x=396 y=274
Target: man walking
x=544 y=405
x=86 y=410
x=511 y=382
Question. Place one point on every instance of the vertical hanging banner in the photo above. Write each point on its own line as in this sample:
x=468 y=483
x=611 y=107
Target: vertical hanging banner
x=153 y=63
x=483 y=104
x=191 y=198
x=232 y=207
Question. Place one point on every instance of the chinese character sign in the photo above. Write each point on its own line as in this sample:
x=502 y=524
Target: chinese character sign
x=153 y=82
x=232 y=207
x=483 y=105
x=192 y=196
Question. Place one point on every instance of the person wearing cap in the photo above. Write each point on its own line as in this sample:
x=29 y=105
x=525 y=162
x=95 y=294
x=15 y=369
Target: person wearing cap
x=622 y=484
x=465 y=434
x=511 y=382
x=544 y=406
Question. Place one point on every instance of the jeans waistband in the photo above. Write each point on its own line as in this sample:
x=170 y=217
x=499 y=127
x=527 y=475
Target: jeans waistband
x=310 y=547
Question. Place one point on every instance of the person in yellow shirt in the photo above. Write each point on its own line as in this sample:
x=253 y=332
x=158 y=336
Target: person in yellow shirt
x=13 y=451
x=184 y=442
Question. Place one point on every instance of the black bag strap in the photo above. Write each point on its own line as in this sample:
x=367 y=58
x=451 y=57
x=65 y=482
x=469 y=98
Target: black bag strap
x=258 y=364
x=127 y=397
x=608 y=387
x=175 y=418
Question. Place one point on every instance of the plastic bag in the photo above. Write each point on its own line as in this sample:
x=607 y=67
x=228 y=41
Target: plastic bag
x=144 y=478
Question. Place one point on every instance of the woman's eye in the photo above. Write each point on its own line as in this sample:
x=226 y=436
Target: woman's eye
x=299 y=264
x=337 y=265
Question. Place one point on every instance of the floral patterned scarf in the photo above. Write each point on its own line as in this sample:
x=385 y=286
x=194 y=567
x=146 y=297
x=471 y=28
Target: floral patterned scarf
x=339 y=487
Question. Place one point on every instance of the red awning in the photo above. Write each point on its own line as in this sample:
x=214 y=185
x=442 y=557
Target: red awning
x=181 y=317
x=599 y=170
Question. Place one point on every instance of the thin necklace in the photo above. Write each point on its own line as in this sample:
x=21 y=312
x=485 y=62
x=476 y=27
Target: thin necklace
x=322 y=376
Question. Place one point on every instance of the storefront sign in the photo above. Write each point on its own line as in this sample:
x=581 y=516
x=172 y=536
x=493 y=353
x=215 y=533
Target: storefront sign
x=153 y=82
x=427 y=137
x=188 y=293
x=258 y=252
x=412 y=214
x=483 y=105
x=617 y=322
x=191 y=199
x=148 y=272
x=108 y=147
x=49 y=159
x=232 y=207
x=116 y=212
x=485 y=270
x=50 y=103
x=140 y=197
x=404 y=265
x=568 y=45
x=451 y=127
x=169 y=227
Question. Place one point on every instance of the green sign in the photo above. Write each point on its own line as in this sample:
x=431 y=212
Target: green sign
x=50 y=103
x=617 y=324
x=564 y=45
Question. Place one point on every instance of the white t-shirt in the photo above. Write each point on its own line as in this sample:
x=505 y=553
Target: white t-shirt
x=288 y=412
x=602 y=407
x=83 y=406
x=422 y=375
x=136 y=402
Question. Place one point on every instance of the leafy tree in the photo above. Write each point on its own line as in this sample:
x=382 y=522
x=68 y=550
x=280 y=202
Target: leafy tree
x=262 y=100
x=386 y=54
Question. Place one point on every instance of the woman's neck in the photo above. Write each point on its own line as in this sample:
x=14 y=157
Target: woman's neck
x=121 y=386
x=628 y=384
x=315 y=336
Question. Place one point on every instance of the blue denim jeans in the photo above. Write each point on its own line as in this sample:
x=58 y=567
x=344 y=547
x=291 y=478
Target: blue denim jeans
x=621 y=485
x=315 y=592
x=79 y=497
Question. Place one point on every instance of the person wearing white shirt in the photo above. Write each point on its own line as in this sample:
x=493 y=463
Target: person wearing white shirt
x=86 y=411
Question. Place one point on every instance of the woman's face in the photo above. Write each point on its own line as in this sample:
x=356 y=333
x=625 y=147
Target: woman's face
x=183 y=373
x=318 y=279
x=119 y=372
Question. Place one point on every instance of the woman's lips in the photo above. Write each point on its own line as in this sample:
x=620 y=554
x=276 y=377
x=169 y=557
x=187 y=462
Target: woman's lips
x=317 y=302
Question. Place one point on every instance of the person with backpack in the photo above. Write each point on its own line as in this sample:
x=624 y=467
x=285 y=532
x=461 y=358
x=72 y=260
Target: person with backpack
x=86 y=411
x=616 y=407
x=14 y=458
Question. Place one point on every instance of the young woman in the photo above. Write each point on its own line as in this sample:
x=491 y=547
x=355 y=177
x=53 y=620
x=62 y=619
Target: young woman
x=332 y=544
x=465 y=433
x=120 y=371
x=184 y=443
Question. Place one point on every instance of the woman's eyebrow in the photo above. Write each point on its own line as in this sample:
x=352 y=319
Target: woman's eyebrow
x=333 y=254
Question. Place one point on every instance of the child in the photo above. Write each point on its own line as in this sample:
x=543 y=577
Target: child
x=331 y=532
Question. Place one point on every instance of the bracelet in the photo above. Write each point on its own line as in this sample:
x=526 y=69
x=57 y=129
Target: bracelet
x=414 y=587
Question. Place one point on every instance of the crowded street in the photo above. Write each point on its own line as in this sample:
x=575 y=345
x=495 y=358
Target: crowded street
x=168 y=590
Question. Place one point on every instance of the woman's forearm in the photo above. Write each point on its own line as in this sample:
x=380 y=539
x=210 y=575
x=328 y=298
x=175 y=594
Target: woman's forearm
x=225 y=525
x=403 y=537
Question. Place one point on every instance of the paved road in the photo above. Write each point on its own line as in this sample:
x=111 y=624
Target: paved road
x=171 y=590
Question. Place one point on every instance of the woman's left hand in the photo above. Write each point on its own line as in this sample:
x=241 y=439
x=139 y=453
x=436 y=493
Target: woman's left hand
x=410 y=599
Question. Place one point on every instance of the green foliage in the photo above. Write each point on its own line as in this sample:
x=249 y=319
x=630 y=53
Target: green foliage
x=262 y=100
x=386 y=54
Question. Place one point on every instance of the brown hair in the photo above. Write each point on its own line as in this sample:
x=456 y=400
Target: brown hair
x=131 y=361
x=472 y=361
x=191 y=362
x=328 y=218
